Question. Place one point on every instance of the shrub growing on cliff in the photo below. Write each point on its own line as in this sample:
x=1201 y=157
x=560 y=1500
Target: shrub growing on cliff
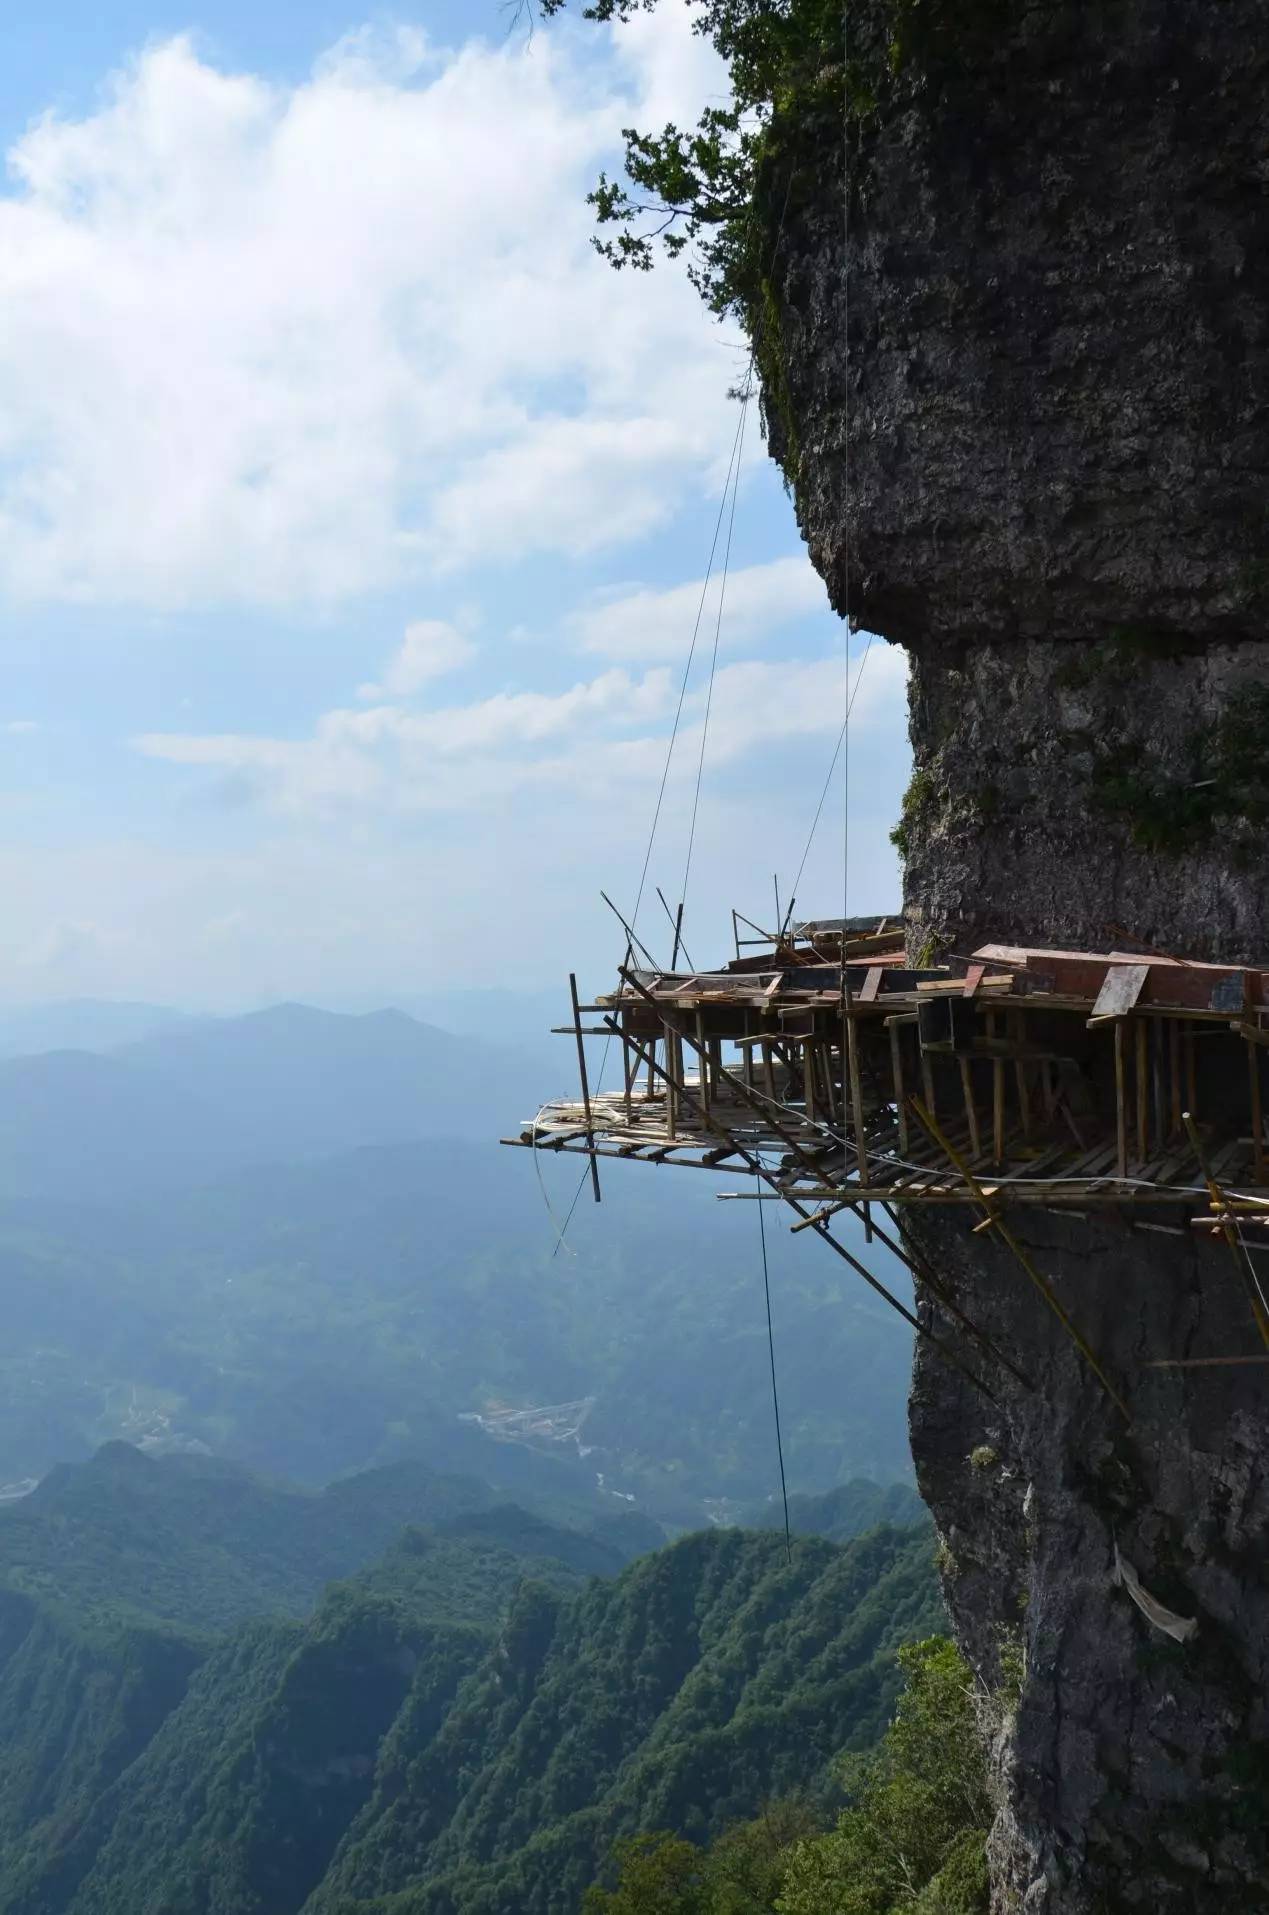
x=912 y=1843
x=915 y=1835
x=724 y=188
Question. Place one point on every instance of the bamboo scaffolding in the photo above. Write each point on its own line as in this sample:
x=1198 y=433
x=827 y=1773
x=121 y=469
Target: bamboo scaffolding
x=760 y=1170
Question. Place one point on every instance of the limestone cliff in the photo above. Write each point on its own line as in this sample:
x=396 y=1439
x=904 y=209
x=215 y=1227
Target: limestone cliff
x=1046 y=339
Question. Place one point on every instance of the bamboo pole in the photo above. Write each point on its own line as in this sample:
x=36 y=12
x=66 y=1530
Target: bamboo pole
x=760 y=1170
x=900 y=1097
x=971 y=1110
x=1121 y=1103
x=1015 y=1031
x=581 y=1067
x=1257 y=1112
x=856 y=1093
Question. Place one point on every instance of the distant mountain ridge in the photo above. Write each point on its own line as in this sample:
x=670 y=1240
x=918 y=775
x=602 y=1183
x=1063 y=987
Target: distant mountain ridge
x=82 y=1024
x=200 y=1544
x=201 y=1097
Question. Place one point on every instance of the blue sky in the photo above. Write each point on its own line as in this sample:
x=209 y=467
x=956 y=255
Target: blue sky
x=353 y=518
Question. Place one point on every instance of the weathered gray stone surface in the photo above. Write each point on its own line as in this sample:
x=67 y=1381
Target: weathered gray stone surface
x=1059 y=328
x=1134 y=1772
x=1057 y=391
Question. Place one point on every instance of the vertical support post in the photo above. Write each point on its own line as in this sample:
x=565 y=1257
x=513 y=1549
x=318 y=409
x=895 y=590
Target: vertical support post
x=768 y=1070
x=581 y=1069
x=1048 y=1084
x=808 y=1078
x=1121 y=1102
x=971 y=1110
x=1015 y=1027
x=1143 y=1091
x=900 y=1095
x=1157 y=1106
x=1174 y=1072
x=702 y=1053
x=629 y=1069
x=1257 y=1112
x=856 y=1090
x=1191 y=1075
x=997 y=1098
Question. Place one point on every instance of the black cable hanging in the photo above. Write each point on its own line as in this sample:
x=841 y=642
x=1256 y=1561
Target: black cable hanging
x=775 y=1393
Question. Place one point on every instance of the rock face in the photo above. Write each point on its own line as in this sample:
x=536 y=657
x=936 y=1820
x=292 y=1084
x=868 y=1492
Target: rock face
x=1055 y=399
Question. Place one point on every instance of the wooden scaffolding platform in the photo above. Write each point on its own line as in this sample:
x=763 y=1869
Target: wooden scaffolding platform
x=826 y=1068
x=1062 y=1079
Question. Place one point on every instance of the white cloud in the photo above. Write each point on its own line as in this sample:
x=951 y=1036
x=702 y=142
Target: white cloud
x=430 y=648
x=650 y=623
x=603 y=740
x=266 y=344
x=18 y=726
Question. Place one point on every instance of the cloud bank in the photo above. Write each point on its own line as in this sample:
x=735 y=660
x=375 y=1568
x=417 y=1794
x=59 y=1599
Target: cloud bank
x=262 y=344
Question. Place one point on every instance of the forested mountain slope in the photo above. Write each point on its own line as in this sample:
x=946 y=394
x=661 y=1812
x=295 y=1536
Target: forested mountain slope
x=707 y=1678
x=464 y=1724
x=119 y=1581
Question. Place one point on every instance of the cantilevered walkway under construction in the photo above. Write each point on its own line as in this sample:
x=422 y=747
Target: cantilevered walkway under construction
x=828 y=1069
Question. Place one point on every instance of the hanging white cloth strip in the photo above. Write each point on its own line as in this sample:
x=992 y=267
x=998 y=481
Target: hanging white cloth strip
x=1180 y=1628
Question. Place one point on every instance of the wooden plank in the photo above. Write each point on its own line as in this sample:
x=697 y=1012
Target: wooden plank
x=973 y=978
x=1143 y=1092
x=871 y=985
x=1121 y=987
